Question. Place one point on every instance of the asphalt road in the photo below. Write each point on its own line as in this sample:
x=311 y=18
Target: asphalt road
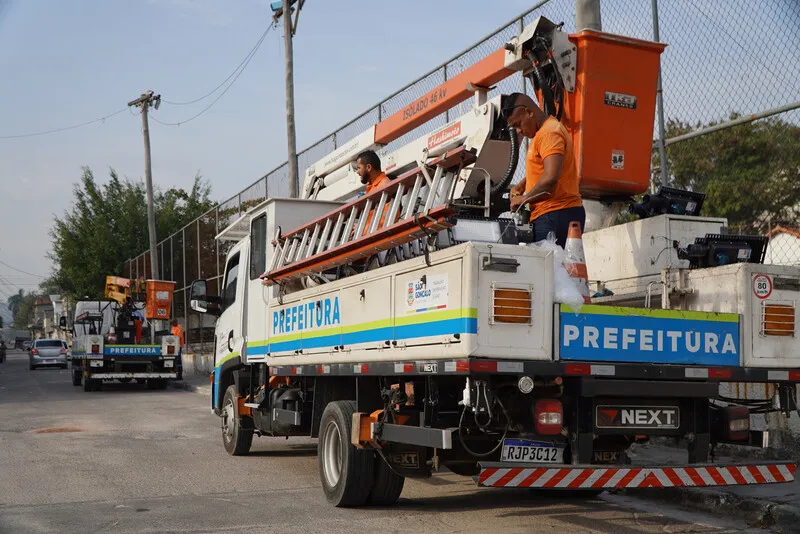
x=131 y=460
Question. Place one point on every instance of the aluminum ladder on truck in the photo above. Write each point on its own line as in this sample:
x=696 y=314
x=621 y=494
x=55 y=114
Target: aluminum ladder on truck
x=410 y=207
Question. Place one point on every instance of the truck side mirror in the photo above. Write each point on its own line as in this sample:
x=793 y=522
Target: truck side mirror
x=199 y=299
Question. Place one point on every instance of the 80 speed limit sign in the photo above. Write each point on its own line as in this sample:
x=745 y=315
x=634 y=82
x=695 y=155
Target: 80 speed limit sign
x=762 y=286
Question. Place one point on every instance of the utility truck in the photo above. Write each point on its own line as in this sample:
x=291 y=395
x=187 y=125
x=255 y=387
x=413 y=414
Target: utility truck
x=431 y=338
x=108 y=345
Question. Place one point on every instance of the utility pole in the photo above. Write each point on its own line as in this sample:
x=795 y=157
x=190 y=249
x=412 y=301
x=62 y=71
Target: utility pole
x=587 y=15
x=662 y=147
x=285 y=9
x=145 y=101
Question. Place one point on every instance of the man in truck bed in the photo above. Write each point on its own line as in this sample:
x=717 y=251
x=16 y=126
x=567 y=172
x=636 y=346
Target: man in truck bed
x=551 y=175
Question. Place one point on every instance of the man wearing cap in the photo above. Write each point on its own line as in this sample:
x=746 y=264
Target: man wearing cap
x=551 y=184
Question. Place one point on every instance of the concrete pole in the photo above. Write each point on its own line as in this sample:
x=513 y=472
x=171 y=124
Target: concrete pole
x=294 y=180
x=587 y=15
x=148 y=181
x=145 y=101
x=662 y=147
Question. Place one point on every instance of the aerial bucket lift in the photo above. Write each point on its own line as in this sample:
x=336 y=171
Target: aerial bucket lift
x=464 y=169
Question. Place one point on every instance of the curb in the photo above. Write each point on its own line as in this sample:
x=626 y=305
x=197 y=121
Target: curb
x=756 y=512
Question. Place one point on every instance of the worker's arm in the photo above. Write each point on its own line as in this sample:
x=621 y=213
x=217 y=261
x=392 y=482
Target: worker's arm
x=547 y=182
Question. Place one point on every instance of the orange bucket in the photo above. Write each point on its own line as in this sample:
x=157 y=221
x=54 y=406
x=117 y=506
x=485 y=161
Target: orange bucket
x=158 y=304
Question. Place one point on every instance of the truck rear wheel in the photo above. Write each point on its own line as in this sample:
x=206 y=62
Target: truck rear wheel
x=237 y=433
x=386 y=486
x=346 y=472
x=77 y=377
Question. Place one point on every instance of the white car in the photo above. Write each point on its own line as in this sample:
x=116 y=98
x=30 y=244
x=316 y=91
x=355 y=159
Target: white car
x=47 y=352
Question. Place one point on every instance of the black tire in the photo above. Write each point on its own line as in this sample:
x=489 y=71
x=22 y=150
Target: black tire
x=386 y=485
x=162 y=383
x=152 y=383
x=237 y=431
x=77 y=377
x=88 y=384
x=31 y=367
x=124 y=380
x=346 y=472
x=141 y=380
x=98 y=384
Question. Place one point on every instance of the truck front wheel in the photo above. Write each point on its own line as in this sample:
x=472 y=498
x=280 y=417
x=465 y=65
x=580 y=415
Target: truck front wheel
x=346 y=472
x=77 y=377
x=237 y=432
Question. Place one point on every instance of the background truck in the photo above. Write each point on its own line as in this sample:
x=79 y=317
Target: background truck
x=106 y=347
x=431 y=337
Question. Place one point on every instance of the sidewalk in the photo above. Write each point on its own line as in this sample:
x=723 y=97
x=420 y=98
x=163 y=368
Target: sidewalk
x=774 y=506
x=194 y=383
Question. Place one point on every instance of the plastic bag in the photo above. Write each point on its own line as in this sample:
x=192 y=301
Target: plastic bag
x=564 y=287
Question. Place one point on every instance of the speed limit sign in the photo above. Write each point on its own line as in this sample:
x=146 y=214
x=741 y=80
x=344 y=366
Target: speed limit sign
x=762 y=286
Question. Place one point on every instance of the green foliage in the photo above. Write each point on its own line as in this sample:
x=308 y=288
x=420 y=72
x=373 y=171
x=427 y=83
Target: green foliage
x=108 y=224
x=21 y=306
x=749 y=173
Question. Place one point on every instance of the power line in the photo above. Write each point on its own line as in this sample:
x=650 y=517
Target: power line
x=239 y=73
x=65 y=128
x=21 y=271
x=214 y=90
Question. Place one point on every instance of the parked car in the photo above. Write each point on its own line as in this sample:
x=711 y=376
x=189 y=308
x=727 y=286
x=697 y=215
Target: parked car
x=26 y=345
x=47 y=352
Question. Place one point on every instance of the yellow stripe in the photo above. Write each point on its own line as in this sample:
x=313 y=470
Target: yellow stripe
x=595 y=309
x=459 y=313
x=226 y=358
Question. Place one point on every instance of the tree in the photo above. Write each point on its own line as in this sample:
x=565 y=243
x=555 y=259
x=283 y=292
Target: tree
x=22 y=306
x=108 y=224
x=749 y=172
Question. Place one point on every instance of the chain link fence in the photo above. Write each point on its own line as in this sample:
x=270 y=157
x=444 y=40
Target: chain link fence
x=725 y=61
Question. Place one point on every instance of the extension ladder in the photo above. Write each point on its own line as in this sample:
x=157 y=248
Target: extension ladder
x=410 y=207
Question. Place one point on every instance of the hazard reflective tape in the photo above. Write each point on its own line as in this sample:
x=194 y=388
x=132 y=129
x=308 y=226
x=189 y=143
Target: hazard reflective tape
x=635 y=477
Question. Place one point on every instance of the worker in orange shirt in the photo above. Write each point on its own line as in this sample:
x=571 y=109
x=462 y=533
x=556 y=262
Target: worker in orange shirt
x=368 y=167
x=177 y=330
x=551 y=184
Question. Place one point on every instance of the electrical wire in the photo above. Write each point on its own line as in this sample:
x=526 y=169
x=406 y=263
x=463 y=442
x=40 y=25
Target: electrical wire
x=65 y=128
x=21 y=271
x=214 y=90
x=236 y=77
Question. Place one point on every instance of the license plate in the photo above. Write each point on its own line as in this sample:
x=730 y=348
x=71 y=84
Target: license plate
x=49 y=361
x=523 y=450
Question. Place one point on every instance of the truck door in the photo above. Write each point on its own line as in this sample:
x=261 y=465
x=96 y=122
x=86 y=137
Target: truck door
x=255 y=306
x=229 y=331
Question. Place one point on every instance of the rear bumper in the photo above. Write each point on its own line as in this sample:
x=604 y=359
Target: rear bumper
x=55 y=360
x=595 y=477
x=131 y=375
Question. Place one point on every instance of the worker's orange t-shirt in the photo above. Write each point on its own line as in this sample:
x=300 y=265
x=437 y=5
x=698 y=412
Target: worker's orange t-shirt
x=380 y=180
x=552 y=138
x=178 y=331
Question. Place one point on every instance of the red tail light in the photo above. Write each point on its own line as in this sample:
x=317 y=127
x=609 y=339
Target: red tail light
x=34 y=352
x=549 y=417
x=170 y=349
x=63 y=351
x=737 y=422
x=95 y=348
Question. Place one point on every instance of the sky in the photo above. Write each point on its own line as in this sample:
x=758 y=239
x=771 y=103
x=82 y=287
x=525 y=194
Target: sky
x=64 y=63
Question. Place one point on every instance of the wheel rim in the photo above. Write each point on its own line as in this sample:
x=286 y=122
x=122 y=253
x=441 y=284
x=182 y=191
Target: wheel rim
x=332 y=454
x=227 y=421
